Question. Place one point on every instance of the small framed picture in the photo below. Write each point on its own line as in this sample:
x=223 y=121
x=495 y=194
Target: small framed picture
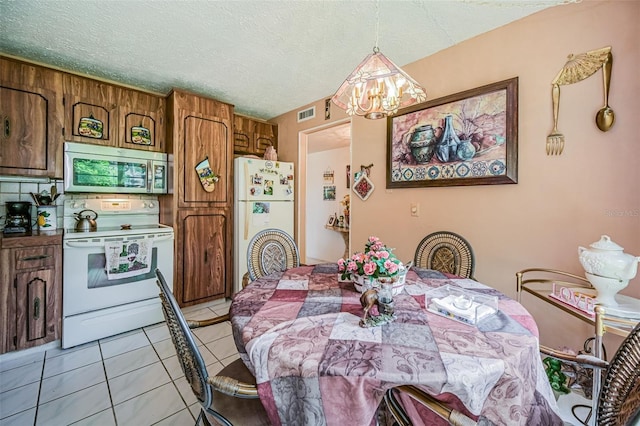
x=329 y=193
x=331 y=221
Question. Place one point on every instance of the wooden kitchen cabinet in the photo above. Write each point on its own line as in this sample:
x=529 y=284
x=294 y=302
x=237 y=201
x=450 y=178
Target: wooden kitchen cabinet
x=105 y=114
x=31 y=120
x=252 y=137
x=205 y=252
x=31 y=292
x=90 y=111
x=200 y=129
x=140 y=118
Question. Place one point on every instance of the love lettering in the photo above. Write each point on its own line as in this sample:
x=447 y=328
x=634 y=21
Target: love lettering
x=574 y=298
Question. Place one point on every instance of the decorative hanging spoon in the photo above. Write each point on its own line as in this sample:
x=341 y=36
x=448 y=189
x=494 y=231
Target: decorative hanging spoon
x=605 y=116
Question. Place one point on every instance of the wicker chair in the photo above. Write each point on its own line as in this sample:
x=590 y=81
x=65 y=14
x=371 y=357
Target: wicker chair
x=454 y=417
x=269 y=251
x=230 y=397
x=445 y=252
x=618 y=398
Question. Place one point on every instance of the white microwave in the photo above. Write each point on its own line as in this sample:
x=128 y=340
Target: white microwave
x=96 y=168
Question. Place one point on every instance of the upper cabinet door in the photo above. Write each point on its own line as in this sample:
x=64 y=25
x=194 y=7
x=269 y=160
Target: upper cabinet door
x=242 y=135
x=264 y=136
x=90 y=111
x=29 y=118
x=141 y=121
x=253 y=137
x=24 y=129
x=205 y=144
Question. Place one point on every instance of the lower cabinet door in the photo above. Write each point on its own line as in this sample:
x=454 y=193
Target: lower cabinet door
x=35 y=307
x=205 y=257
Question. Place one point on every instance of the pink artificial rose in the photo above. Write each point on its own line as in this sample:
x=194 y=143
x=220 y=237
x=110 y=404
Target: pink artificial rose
x=391 y=267
x=340 y=265
x=352 y=266
x=377 y=246
x=373 y=239
x=382 y=254
x=370 y=268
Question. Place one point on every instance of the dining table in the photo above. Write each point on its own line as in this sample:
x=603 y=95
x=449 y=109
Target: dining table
x=299 y=332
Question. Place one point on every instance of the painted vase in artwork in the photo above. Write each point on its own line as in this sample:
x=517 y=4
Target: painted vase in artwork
x=447 y=147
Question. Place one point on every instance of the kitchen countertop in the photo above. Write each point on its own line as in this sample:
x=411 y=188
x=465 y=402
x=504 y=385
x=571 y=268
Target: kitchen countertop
x=36 y=238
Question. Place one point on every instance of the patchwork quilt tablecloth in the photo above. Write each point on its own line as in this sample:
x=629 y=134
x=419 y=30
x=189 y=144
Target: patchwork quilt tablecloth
x=298 y=332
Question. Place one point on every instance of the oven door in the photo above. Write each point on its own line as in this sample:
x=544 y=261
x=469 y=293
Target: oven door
x=86 y=285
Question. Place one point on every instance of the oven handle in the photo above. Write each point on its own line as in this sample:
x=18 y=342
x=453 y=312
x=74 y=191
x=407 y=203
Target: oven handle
x=149 y=176
x=85 y=244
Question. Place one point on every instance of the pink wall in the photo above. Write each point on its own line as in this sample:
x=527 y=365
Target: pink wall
x=560 y=202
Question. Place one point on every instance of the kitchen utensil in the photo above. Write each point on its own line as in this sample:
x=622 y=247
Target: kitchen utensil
x=605 y=116
x=35 y=199
x=555 y=139
x=44 y=199
x=54 y=193
x=86 y=223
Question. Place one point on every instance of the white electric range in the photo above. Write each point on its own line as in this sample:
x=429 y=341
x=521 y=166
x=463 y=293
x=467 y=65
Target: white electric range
x=109 y=282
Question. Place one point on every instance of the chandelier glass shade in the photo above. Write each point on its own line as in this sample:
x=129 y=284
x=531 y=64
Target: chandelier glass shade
x=377 y=88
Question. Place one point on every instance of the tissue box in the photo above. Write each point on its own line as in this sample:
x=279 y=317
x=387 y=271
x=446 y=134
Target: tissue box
x=461 y=304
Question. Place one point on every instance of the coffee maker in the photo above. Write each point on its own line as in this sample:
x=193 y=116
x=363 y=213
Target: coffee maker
x=18 y=217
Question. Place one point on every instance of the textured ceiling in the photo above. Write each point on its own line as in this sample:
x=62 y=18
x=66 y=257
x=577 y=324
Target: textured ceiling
x=265 y=57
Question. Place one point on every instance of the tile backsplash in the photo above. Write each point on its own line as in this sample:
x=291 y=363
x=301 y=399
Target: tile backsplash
x=20 y=191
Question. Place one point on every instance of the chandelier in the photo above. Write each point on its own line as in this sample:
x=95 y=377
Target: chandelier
x=377 y=87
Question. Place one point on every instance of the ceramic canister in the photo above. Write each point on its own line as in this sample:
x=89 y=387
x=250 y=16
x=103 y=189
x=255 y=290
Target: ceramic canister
x=47 y=218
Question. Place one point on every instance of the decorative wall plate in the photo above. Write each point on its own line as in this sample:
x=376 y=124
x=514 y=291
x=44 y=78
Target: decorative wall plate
x=363 y=186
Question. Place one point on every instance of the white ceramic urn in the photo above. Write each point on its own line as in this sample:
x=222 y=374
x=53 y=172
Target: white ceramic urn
x=607 y=259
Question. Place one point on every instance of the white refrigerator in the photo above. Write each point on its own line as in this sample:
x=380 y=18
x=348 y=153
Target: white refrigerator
x=263 y=199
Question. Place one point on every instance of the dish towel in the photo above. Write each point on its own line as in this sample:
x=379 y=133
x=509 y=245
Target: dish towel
x=126 y=259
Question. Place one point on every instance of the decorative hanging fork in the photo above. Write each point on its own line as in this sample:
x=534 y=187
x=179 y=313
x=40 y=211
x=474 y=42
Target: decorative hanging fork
x=577 y=68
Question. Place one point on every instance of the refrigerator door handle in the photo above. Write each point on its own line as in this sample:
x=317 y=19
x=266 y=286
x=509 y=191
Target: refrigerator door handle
x=247 y=211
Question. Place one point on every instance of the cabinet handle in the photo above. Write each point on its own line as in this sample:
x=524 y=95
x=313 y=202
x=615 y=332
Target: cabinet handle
x=39 y=257
x=6 y=127
x=36 y=308
x=205 y=256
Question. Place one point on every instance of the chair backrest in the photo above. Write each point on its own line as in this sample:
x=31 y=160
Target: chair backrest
x=191 y=361
x=445 y=251
x=619 y=399
x=269 y=251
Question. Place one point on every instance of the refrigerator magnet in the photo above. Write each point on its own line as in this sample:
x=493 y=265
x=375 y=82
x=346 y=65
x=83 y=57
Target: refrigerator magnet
x=268 y=187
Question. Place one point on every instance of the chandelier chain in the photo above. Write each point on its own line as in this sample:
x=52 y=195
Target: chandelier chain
x=376 y=49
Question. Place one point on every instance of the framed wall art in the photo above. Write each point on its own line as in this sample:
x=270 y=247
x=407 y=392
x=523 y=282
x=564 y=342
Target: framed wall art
x=469 y=138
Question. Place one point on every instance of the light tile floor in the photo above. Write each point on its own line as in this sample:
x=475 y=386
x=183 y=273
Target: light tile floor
x=132 y=379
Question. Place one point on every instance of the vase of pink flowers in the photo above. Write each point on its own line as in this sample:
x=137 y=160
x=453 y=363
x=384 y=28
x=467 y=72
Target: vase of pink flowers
x=374 y=266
